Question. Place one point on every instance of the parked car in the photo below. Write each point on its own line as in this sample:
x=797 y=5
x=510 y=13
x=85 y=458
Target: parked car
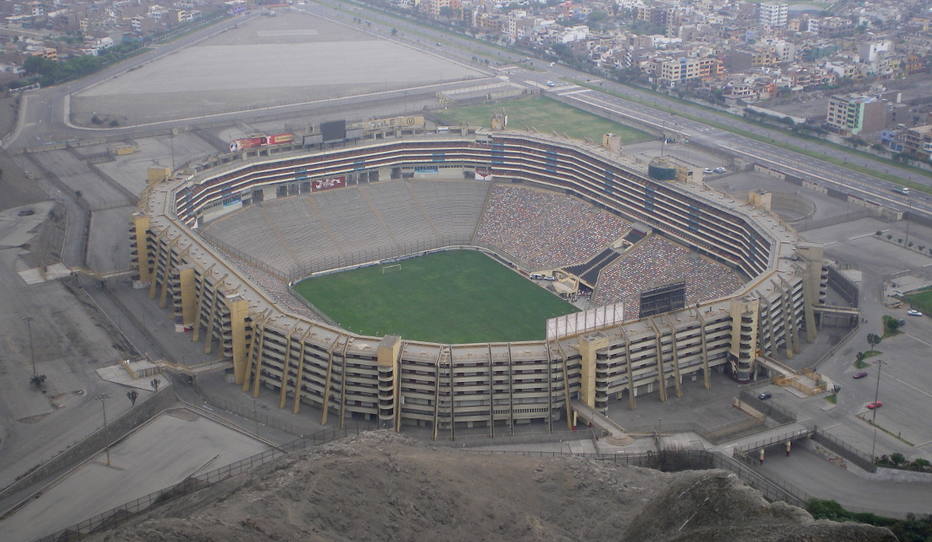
x=764 y=396
x=874 y=404
x=859 y=374
x=913 y=312
x=551 y=84
x=720 y=170
x=707 y=170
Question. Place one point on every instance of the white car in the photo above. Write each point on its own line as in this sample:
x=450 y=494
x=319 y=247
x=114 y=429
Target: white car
x=551 y=84
x=707 y=170
x=913 y=312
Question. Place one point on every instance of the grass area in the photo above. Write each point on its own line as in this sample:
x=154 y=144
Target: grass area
x=872 y=353
x=450 y=297
x=861 y=364
x=833 y=398
x=921 y=300
x=545 y=115
x=795 y=148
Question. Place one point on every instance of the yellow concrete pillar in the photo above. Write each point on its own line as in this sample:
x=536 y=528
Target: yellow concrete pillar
x=588 y=346
x=239 y=309
x=387 y=358
x=188 y=296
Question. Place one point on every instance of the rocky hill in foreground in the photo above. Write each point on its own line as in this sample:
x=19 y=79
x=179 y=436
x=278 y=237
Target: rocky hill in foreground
x=381 y=486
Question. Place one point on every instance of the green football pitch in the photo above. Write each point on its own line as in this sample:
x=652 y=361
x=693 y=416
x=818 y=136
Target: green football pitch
x=459 y=296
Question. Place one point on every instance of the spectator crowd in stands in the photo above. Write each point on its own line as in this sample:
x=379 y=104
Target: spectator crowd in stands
x=545 y=230
x=657 y=261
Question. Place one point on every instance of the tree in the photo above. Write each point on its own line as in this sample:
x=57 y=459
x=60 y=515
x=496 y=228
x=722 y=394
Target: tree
x=873 y=339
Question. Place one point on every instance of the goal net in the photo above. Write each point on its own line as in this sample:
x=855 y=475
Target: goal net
x=391 y=268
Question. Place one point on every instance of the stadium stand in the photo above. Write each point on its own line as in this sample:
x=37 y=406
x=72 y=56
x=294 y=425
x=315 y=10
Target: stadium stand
x=545 y=230
x=655 y=261
x=345 y=227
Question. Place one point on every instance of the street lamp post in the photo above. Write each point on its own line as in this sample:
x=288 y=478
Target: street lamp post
x=874 y=415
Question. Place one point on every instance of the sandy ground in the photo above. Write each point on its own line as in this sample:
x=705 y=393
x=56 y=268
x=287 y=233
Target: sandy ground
x=267 y=61
x=380 y=485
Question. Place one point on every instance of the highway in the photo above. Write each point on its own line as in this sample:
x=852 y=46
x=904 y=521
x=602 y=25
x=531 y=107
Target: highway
x=44 y=115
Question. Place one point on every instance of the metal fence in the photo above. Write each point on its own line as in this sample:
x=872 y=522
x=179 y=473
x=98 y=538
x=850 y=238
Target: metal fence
x=845 y=450
x=115 y=516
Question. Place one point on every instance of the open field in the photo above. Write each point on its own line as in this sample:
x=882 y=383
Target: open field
x=545 y=115
x=921 y=300
x=263 y=62
x=450 y=297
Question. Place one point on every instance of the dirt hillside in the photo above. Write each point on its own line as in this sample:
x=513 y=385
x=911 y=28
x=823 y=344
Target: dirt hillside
x=380 y=486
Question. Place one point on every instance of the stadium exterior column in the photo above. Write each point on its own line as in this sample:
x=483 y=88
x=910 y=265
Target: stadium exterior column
x=706 y=377
x=588 y=347
x=491 y=393
x=286 y=370
x=201 y=288
x=744 y=323
x=567 y=403
x=209 y=331
x=511 y=392
x=787 y=307
x=255 y=347
x=167 y=272
x=299 y=377
x=549 y=387
x=343 y=384
x=325 y=404
x=188 y=295
x=387 y=355
x=140 y=228
x=239 y=309
x=676 y=358
x=157 y=253
x=812 y=284
x=658 y=348
x=632 y=399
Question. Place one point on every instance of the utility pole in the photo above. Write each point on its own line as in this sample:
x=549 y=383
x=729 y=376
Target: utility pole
x=103 y=405
x=874 y=416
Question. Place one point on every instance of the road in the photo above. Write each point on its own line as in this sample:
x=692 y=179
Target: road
x=806 y=469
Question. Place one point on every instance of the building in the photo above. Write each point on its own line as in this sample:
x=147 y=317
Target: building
x=853 y=114
x=773 y=15
x=445 y=387
x=917 y=141
x=676 y=71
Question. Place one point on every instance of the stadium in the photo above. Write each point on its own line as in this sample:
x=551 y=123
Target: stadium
x=673 y=280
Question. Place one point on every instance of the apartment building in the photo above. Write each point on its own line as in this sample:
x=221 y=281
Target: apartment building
x=852 y=114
